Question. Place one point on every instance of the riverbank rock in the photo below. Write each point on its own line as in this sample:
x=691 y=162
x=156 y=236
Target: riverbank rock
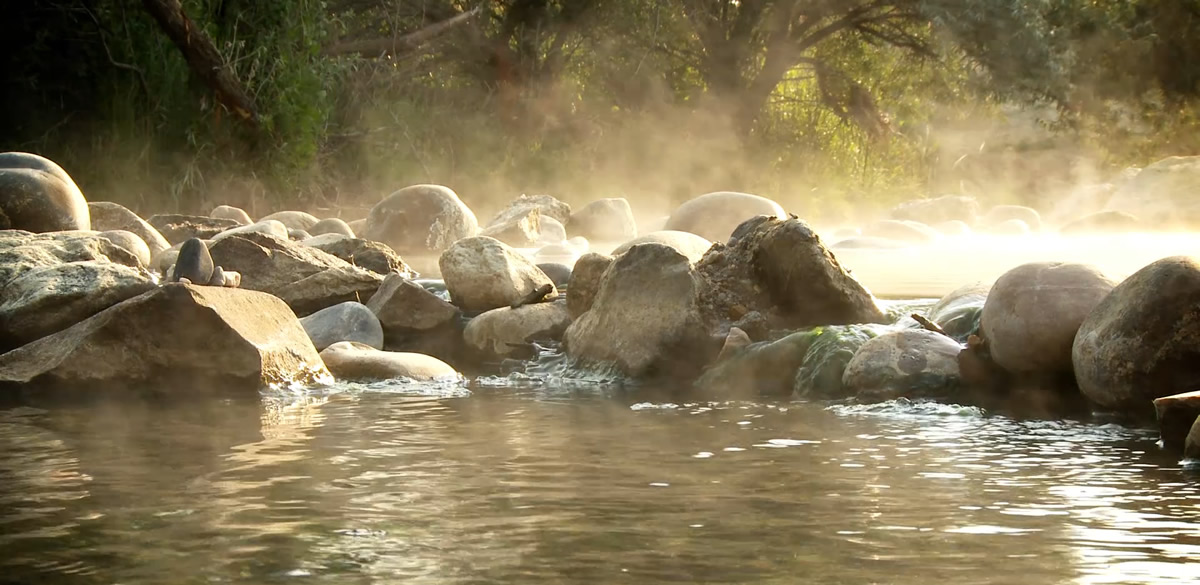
x=959 y=311
x=746 y=370
x=373 y=256
x=645 y=319
x=415 y=319
x=520 y=223
x=1142 y=341
x=37 y=195
x=1177 y=416
x=108 y=216
x=506 y=332
x=421 y=219
x=348 y=360
x=830 y=349
x=22 y=252
x=230 y=212
x=714 y=216
x=131 y=242
x=962 y=208
x=293 y=220
x=1162 y=194
x=49 y=299
x=604 y=220
x=483 y=273
x=685 y=243
x=193 y=263
x=179 y=228
x=348 y=321
x=585 y=281
x=270 y=227
x=331 y=225
x=909 y=363
x=307 y=279
x=559 y=274
x=1000 y=214
x=204 y=339
x=1033 y=311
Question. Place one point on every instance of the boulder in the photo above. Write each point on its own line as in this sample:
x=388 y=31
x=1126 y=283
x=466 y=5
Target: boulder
x=645 y=320
x=401 y=304
x=506 y=332
x=421 y=219
x=1162 y=194
x=1177 y=415
x=909 y=363
x=131 y=242
x=229 y=212
x=714 y=216
x=524 y=231
x=604 y=220
x=1142 y=341
x=483 y=273
x=959 y=311
x=179 y=228
x=331 y=225
x=962 y=208
x=685 y=243
x=293 y=220
x=912 y=232
x=348 y=321
x=1191 y=445
x=830 y=349
x=1005 y=213
x=163 y=262
x=559 y=274
x=49 y=299
x=22 y=252
x=307 y=279
x=270 y=227
x=1033 y=311
x=561 y=253
x=177 y=337
x=348 y=360
x=298 y=235
x=37 y=195
x=552 y=231
x=193 y=262
x=520 y=223
x=373 y=256
x=546 y=205
x=108 y=216
x=1102 y=222
x=585 y=281
x=745 y=370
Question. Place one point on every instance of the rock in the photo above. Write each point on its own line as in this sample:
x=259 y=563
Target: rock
x=959 y=311
x=1191 y=445
x=1142 y=341
x=520 y=232
x=910 y=363
x=1103 y=222
x=520 y=224
x=559 y=274
x=133 y=244
x=401 y=304
x=902 y=231
x=734 y=341
x=22 y=252
x=1008 y=227
x=1162 y=194
x=293 y=220
x=953 y=227
x=331 y=225
x=962 y=208
x=870 y=243
x=307 y=279
x=49 y=299
x=552 y=231
x=298 y=235
x=604 y=220
x=645 y=320
x=556 y=253
x=37 y=195
x=229 y=212
x=164 y=262
x=1177 y=415
x=506 y=332
x=830 y=349
x=172 y=338
x=546 y=205
x=107 y=216
x=355 y=361
x=357 y=226
x=348 y=321
x=179 y=228
x=714 y=216
x=685 y=243
x=373 y=256
x=585 y=282
x=1032 y=312
x=194 y=263
x=482 y=274
x=421 y=219
x=747 y=370
x=1004 y=213
x=270 y=227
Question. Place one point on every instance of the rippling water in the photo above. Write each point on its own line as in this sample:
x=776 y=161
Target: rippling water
x=440 y=485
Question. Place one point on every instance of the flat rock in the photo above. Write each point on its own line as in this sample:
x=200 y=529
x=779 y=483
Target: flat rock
x=21 y=251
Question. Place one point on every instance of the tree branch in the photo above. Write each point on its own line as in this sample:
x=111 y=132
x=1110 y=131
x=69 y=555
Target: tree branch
x=401 y=44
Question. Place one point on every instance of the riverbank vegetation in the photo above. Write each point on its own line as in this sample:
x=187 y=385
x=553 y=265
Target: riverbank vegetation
x=824 y=105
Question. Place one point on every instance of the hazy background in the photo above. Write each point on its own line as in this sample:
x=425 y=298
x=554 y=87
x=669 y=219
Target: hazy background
x=833 y=107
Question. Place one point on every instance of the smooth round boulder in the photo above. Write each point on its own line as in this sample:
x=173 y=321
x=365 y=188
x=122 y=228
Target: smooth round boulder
x=131 y=242
x=1142 y=341
x=604 y=220
x=348 y=360
x=230 y=212
x=421 y=219
x=910 y=363
x=108 y=216
x=37 y=195
x=1004 y=213
x=507 y=332
x=913 y=232
x=194 y=262
x=348 y=321
x=556 y=254
x=714 y=216
x=294 y=220
x=331 y=225
x=560 y=274
x=552 y=231
x=1033 y=311
x=483 y=273
x=959 y=311
x=686 y=243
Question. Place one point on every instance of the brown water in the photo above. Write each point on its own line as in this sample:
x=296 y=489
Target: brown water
x=568 y=484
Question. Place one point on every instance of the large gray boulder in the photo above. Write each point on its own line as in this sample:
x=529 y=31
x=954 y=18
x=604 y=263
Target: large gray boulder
x=909 y=363
x=585 y=282
x=37 y=195
x=107 y=216
x=686 y=243
x=175 y=338
x=307 y=279
x=348 y=321
x=714 y=216
x=1142 y=341
x=1162 y=194
x=180 y=228
x=22 y=251
x=373 y=256
x=604 y=220
x=483 y=273
x=354 y=361
x=747 y=370
x=421 y=219
x=506 y=332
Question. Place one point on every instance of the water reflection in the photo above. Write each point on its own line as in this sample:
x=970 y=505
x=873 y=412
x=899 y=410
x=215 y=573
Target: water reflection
x=524 y=485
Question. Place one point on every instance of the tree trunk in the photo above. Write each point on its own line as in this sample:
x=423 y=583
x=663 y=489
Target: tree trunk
x=203 y=58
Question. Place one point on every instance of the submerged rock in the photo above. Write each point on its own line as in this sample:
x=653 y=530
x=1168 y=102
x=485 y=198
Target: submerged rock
x=37 y=195
x=604 y=220
x=507 y=332
x=348 y=321
x=354 y=361
x=909 y=363
x=714 y=216
x=483 y=273
x=107 y=216
x=179 y=228
x=421 y=219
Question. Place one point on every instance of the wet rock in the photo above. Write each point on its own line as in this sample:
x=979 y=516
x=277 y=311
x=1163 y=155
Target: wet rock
x=645 y=319
x=331 y=225
x=354 y=361
x=959 y=311
x=1162 y=194
x=902 y=231
x=604 y=220
x=49 y=299
x=559 y=274
x=229 y=212
x=164 y=262
x=910 y=363
x=483 y=273
x=1142 y=341
x=1191 y=445
x=747 y=370
x=962 y=208
x=714 y=216
x=685 y=243
x=204 y=339
x=1033 y=311
x=293 y=220
x=953 y=227
x=179 y=228
x=307 y=279
x=421 y=219
x=1102 y=222
x=830 y=349
x=22 y=252
x=131 y=242
x=348 y=321
x=401 y=304
x=585 y=282
x=1004 y=213
x=373 y=256
x=194 y=262
x=37 y=195
x=107 y=216
x=507 y=332
x=270 y=227
x=1008 y=227
x=1177 y=415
